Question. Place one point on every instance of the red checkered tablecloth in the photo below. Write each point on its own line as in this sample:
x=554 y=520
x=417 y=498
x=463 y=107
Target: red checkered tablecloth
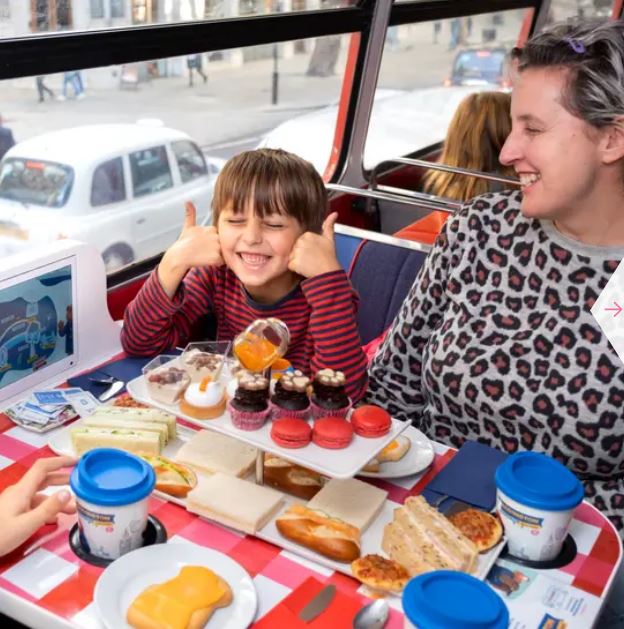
x=45 y=585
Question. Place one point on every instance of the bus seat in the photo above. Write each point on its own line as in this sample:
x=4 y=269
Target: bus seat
x=382 y=274
x=426 y=229
x=394 y=216
x=346 y=246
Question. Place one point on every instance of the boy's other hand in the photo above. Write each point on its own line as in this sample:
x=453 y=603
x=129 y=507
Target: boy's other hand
x=315 y=254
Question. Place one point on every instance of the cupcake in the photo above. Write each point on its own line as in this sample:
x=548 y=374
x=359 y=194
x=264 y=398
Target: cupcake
x=329 y=398
x=203 y=400
x=200 y=365
x=249 y=408
x=290 y=397
x=166 y=384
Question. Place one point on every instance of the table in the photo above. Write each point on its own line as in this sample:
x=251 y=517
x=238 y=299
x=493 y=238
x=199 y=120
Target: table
x=49 y=587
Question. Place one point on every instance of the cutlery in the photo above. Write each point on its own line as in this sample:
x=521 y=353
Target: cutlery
x=372 y=616
x=112 y=390
x=318 y=604
x=103 y=380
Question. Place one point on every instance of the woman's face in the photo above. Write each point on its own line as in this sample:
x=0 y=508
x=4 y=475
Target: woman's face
x=554 y=153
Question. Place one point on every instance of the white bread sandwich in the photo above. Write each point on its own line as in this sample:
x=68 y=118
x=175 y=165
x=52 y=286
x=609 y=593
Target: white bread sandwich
x=87 y=438
x=104 y=422
x=172 y=478
x=234 y=502
x=422 y=539
x=153 y=415
x=209 y=452
x=319 y=532
x=349 y=500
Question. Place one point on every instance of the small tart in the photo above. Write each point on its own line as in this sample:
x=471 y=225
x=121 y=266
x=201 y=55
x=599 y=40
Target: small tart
x=483 y=529
x=204 y=400
x=380 y=573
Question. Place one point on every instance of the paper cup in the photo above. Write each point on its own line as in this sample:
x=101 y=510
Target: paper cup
x=536 y=498
x=112 y=490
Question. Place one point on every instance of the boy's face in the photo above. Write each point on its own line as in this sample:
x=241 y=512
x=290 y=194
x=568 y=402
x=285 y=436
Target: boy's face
x=257 y=250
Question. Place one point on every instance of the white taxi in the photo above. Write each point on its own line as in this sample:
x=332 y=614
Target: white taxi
x=120 y=187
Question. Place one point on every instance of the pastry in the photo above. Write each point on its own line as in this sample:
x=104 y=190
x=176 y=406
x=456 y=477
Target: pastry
x=249 y=409
x=371 y=421
x=200 y=365
x=380 y=573
x=166 y=384
x=292 y=478
x=291 y=432
x=332 y=432
x=203 y=400
x=125 y=400
x=186 y=601
x=329 y=397
x=290 y=398
x=484 y=529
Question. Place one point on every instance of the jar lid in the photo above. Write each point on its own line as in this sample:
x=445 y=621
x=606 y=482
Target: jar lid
x=539 y=481
x=110 y=477
x=453 y=600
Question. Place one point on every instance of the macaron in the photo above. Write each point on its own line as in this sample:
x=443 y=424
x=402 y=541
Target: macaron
x=371 y=421
x=332 y=432
x=291 y=432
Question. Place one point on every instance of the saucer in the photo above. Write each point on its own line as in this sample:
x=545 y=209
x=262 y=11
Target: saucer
x=566 y=555
x=155 y=533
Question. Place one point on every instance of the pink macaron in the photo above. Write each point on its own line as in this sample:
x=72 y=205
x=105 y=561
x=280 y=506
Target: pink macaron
x=291 y=432
x=371 y=421
x=332 y=432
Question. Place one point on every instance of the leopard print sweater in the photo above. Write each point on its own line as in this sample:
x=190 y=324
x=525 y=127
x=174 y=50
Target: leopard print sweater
x=496 y=343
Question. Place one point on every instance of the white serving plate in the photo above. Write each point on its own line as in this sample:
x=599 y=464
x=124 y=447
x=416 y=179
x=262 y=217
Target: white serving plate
x=344 y=463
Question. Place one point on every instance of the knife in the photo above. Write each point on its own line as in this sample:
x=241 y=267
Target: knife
x=114 y=388
x=318 y=604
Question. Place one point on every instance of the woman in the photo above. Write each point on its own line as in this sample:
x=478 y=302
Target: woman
x=495 y=341
x=474 y=140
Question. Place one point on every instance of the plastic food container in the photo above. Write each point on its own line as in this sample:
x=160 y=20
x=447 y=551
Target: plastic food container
x=261 y=344
x=112 y=489
x=536 y=496
x=452 y=600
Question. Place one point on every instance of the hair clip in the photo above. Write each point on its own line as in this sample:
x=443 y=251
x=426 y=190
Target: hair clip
x=576 y=44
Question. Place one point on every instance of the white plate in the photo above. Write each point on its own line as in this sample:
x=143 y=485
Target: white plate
x=416 y=460
x=128 y=576
x=344 y=463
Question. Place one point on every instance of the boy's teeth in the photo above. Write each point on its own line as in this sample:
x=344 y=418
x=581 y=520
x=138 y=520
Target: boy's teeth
x=251 y=258
x=527 y=180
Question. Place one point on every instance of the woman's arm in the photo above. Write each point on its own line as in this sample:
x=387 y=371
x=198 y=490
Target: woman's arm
x=395 y=372
x=334 y=330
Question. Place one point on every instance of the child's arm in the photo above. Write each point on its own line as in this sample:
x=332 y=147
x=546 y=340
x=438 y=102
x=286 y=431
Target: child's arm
x=333 y=303
x=177 y=293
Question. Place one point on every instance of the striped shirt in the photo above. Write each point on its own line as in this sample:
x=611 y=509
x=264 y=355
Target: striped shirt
x=320 y=314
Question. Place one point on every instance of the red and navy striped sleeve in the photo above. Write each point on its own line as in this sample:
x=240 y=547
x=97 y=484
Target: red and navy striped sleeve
x=154 y=323
x=333 y=328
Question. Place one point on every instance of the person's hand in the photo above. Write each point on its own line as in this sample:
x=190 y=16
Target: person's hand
x=61 y=327
x=314 y=254
x=196 y=246
x=23 y=510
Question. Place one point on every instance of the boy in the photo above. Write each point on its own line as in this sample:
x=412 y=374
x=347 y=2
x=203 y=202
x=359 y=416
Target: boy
x=269 y=254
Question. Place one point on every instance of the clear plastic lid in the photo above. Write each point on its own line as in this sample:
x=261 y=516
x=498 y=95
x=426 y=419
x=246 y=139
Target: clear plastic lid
x=262 y=343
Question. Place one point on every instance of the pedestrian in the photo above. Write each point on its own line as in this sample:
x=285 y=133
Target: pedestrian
x=74 y=79
x=455 y=33
x=6 y=138
x=194 y=62
x=43 y=89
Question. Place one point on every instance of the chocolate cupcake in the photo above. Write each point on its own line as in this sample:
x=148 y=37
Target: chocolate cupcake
x=250 y=407
x=290 y=397
x=329 y=398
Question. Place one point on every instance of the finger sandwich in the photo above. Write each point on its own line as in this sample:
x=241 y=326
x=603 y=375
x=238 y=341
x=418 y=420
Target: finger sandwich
x=87 y=438
x=151 y=415
x=105 y=422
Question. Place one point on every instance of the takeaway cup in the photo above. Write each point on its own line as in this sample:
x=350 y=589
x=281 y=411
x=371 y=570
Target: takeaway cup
x=453 y=600
x=535 y=499
x=112 y=489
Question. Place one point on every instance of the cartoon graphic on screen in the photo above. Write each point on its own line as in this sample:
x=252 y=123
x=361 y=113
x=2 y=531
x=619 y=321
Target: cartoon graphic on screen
x=31 y=324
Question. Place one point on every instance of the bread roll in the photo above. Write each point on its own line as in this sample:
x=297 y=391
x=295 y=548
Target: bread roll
x=291 y=478
x=327 y=536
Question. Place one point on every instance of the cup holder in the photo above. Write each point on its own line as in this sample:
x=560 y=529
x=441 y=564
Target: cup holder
x=155 y=533
x=566 y=555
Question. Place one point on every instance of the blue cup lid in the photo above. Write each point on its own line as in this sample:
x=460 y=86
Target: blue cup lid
x=110 y=477
x=453 y=600
x=539 y=481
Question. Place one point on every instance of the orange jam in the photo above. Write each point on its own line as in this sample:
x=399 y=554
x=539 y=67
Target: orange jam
x=255 y=353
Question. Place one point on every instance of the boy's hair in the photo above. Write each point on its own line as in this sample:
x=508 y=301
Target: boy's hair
x=276 y=182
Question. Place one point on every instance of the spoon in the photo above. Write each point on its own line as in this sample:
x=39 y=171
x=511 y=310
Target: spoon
x=372 y=616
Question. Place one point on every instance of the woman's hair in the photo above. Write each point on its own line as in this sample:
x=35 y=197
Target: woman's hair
x=593 y=53
x=474 y=139
x=275 y=182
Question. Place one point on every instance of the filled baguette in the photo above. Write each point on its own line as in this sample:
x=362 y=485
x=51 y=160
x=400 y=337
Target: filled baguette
x=172 y=478
x=291 y=478
x=327 y=536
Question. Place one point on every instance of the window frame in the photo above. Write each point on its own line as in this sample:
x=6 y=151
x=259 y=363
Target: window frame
x=102 y=206
x=197 y=150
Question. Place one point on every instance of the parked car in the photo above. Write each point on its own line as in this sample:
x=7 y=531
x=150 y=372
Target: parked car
x=479 y=67
x=120 y=187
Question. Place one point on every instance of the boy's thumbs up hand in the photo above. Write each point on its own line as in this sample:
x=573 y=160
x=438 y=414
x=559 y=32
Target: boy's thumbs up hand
x=315 y=254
